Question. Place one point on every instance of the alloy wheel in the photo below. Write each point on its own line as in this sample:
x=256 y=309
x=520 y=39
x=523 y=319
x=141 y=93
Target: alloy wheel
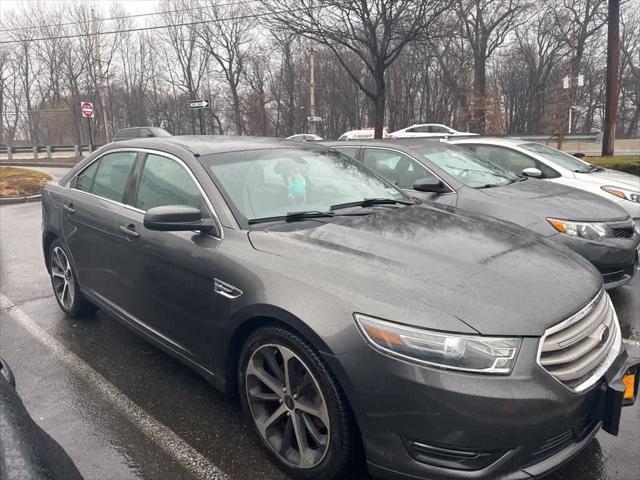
x=287 y=406
x=62 y=278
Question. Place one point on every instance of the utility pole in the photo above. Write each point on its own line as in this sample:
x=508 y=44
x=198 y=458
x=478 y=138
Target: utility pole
x=613 y=62
x=100 y=78
x=312 y=93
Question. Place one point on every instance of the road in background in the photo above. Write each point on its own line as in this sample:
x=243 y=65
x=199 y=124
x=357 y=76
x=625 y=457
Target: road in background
x=142 y=414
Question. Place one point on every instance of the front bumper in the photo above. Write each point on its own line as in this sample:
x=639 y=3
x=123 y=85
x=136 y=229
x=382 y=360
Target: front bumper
x=419 y=423
x=615 y=258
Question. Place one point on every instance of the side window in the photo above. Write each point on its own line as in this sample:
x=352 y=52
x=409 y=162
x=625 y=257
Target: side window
x=84 y=181
x=165 y=182
x=423 y=129
x=508 y=159
x=351 y=152
x=145 y=132
x=396 y=167
x=438 y=129
x=109 y=180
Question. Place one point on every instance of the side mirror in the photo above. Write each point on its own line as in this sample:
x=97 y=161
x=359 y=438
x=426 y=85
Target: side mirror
x=429 y=185
x=532 y=172
x=174 y=218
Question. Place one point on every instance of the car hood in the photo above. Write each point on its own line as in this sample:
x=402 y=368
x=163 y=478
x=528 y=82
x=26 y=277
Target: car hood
x=549 y=199
x=436 y=267
x=611 y=177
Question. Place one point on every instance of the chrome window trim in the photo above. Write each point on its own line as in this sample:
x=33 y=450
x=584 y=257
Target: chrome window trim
x=599 y=372
x=160 y=153
x=365 y=147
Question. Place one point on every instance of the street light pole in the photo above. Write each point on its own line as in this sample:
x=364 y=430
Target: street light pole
x=100 y=78
x=312 y=93
x=613 y=61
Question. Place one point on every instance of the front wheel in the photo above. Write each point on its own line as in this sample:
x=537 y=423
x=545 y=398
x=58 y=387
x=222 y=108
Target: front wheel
x=295 y=405
x=65 y=283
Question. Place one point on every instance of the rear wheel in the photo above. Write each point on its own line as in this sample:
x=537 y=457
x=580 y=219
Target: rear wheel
x=65 y=283
x=295 y=405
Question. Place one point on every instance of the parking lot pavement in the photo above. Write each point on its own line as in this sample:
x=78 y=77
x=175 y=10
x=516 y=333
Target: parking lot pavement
x=122 y=409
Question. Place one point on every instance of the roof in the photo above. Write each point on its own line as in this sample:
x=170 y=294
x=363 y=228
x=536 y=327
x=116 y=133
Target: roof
x=491 y=140
x=407 y=143
x=208 y=144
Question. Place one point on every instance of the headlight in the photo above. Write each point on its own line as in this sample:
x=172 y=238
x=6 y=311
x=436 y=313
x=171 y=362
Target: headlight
x=588 y=230
x=469 y=353
x=623 y=193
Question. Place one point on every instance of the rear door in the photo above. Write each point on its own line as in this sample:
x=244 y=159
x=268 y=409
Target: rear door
x=90 y=211
x=169 y=275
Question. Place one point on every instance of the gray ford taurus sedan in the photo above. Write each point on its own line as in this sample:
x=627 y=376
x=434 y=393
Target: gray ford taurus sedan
x=595 y=227
x=345 y=316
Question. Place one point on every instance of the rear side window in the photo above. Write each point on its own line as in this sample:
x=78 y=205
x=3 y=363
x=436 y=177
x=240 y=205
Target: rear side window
x=395 y=167
x=108 y=176
x=165 y=182
x=85 y=179
x=351 y=152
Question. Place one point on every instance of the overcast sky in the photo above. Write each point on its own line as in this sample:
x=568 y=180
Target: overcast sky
x=131 y=6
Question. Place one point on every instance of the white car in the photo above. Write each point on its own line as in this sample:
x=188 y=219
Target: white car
x=428 y=130
x=364 y=134
x=538 y=160
x=305 y=137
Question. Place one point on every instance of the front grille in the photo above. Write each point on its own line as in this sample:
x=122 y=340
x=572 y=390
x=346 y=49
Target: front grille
x=623 y=232
x=579 y=350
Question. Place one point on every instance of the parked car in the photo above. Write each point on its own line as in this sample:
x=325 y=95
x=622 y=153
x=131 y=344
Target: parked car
x=305 y=137
x=550 y=164
x=27 y=451
x=341 y=311
x=139 y=132
x=428 y=130
x=364 y=134
x=596 y=228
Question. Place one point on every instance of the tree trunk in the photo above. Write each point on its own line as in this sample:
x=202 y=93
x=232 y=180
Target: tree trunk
x=479 y=121
x=379 y=103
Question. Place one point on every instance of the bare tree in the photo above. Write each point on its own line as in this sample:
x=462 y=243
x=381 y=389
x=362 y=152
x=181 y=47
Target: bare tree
x=372 y=32
x=226 y=36
x=486 y=24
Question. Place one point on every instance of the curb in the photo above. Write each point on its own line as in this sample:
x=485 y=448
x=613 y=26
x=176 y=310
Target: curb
x=13 y=201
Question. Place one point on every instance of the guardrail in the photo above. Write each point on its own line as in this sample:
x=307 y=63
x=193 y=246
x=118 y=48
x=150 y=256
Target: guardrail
x=49 y=150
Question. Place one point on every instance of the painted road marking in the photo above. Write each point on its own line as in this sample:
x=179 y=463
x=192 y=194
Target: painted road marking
x=199 y=466
x=635 y=343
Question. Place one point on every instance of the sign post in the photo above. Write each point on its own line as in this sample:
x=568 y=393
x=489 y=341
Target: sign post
x=199 y=105
x=86 y=108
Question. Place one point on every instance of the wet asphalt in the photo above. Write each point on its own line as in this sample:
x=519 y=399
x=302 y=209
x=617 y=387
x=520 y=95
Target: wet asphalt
x=122 y=409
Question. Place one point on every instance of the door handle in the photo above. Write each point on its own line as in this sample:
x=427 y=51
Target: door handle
x=129 y=230
x=69 y=209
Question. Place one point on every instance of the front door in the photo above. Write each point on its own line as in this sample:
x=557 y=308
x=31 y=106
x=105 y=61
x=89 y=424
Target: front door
x=169 y=275
x=403 y=171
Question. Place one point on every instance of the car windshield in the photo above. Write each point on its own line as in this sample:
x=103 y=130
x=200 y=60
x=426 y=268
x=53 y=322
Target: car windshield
x=468 y=168
x=561 y=159
x=261 y=184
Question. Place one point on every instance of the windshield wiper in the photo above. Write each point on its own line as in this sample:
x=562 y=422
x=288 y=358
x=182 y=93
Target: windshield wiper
x=293 y=217
x=369 y=202
x=491 y=185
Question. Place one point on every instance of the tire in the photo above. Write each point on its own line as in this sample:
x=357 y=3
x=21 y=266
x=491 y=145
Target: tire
x=64 y=282
x=328 y=449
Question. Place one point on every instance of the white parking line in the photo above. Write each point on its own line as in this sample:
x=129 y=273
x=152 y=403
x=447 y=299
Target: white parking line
x=160 y=434
x=635 y=343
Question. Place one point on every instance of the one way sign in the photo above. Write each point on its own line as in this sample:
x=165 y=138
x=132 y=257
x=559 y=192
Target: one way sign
x=198 y=104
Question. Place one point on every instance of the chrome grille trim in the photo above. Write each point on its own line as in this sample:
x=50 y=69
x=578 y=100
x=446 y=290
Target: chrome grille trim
x=574 y=353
